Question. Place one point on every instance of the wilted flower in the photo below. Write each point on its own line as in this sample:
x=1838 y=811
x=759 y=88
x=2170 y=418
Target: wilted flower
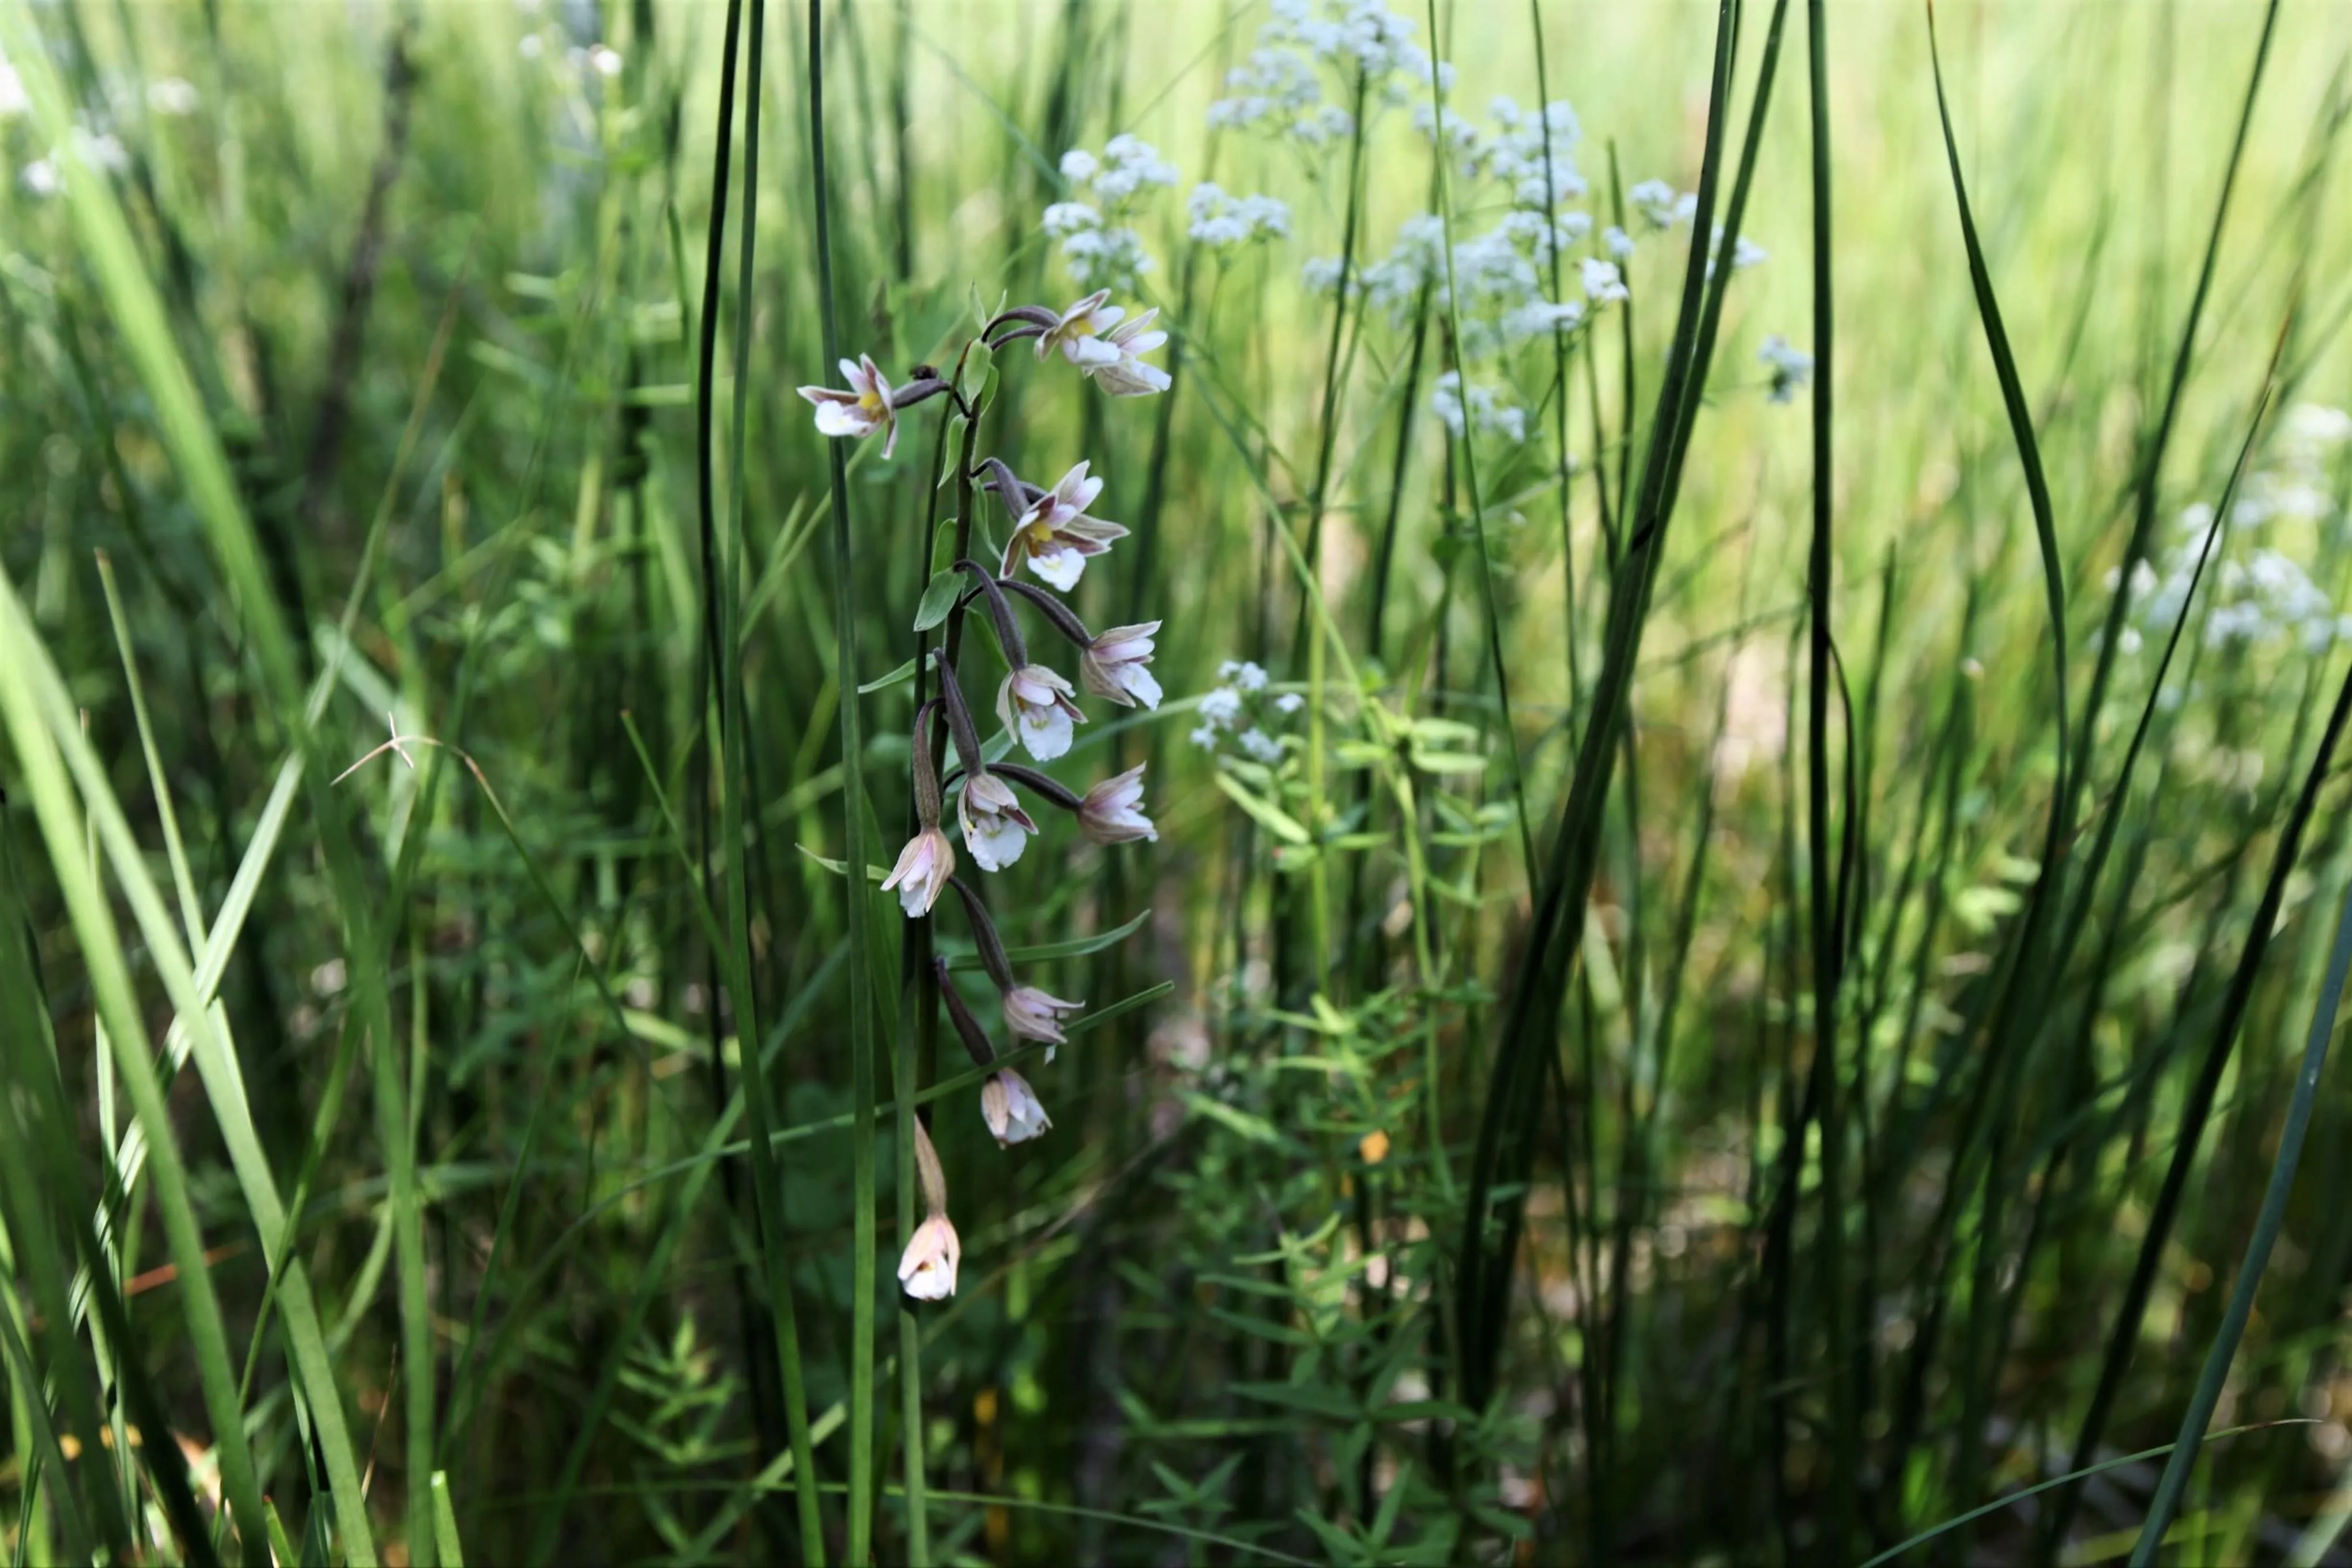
x=865 y=409
x=923 y=868
x=1055 y=536
x=1034 y=703
x=995 y=828
x=1077 y=332
x=1113 y=665
x=1033 y=1016
x=927 y=1269
x=1109 y=814
x=1011 y=1108
x=1127 y=376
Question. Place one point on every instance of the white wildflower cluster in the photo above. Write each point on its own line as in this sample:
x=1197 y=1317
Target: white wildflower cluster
x=1660 y=207
x=1281 y=87
x=1791 y=367
x=2265 y=597
x=1745 y=252
x=100 y=150
x=1223 y=222
x=1483 y=408
x=1513 y=153
x=1098 y=247
x=1239 y=707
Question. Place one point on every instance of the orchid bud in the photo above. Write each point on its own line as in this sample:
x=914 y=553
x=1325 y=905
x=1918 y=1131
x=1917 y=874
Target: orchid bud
x=927 y=1269
x=967 y=1027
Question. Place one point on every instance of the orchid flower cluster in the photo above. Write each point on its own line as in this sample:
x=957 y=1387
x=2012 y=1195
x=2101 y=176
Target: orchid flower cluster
x=1053 y=534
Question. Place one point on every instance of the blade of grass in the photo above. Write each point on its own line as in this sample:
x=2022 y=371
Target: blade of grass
x=853 y=890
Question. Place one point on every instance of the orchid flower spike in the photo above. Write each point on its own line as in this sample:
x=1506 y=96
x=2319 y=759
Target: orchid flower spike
x=1034 y=703
x=1127 y=376
x=1012 y=1110
x=1112 y=666
x=1112 y=813
x=1055 y=536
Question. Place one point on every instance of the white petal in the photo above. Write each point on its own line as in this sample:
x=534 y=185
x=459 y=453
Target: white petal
x=1059 y=566
x=1138 y=683
x=1045 y=732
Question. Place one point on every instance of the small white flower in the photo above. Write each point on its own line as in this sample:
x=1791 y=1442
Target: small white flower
x=1791 y=367
x=605 y=59
x=1113 y=666
x=1078 y=167
x=1260 y=746
x=1245 y=675
x=1289 y=702
x=1620 y=243
x=1222 y=707
x=1057 y=537
x=1656 y=201
x=1034 y=704
x=1205 y=737
x=860 y=411
x=1112 y=813
x=927 y=1269
x=169 y=96
x=995 y=829
x=13 y=101
x=1011 y=1108
x=923 y=869
x=532 y=46
x=41 y=177
x=1602 y=284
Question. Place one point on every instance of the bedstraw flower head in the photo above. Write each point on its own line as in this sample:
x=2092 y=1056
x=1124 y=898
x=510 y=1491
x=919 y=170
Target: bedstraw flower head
x=1113 y=666
x=1111 y=813
x=1034 y=703
x=1012 y=1110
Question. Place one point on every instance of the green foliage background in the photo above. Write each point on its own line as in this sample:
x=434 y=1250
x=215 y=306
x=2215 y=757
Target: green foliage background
x=1712 y=1042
